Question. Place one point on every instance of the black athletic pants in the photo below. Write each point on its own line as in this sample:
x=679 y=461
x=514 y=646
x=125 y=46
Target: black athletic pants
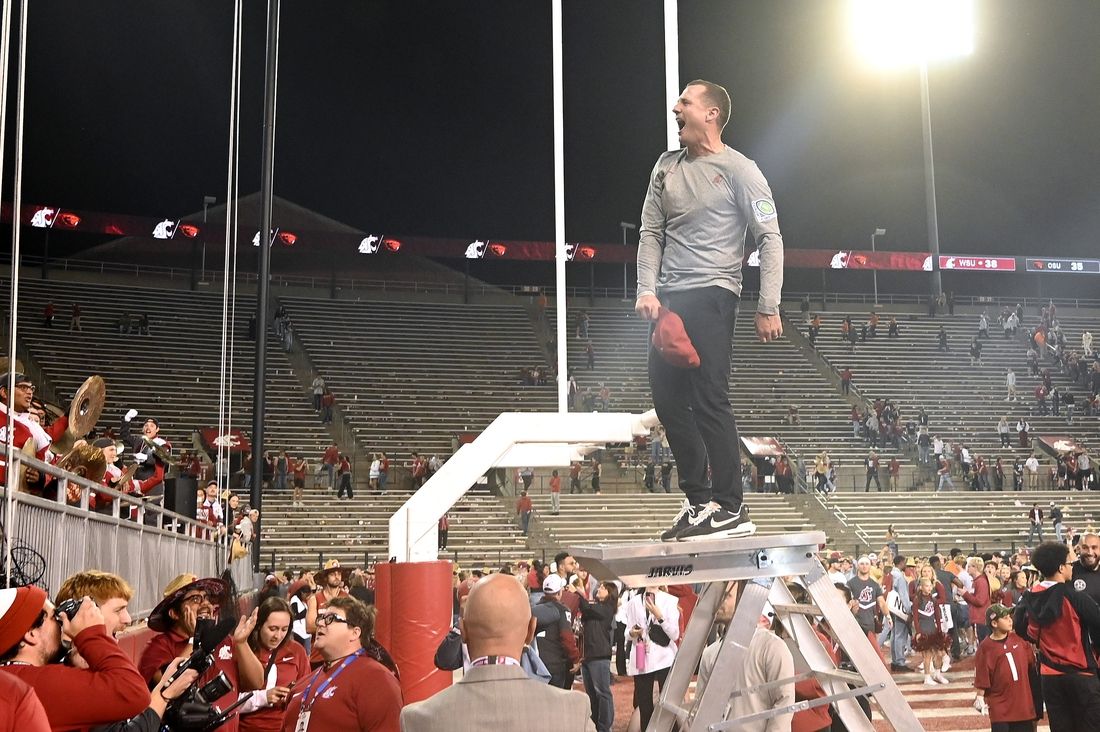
x=693 y=404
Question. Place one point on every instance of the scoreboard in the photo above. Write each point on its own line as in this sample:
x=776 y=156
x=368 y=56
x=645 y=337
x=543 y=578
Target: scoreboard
x=985 y=264
x=1073 y=266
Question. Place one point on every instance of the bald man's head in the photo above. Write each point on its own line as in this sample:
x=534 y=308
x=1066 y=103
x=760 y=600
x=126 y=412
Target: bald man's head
x=497 y=620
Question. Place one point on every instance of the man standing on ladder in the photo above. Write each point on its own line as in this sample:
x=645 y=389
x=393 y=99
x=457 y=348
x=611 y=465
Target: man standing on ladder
x=701 y=201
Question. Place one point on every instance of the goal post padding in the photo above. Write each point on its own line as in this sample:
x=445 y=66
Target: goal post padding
x=415 y=603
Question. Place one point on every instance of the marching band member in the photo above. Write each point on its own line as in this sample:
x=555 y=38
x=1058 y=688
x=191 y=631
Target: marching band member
x=25 y=427
x=150 y=452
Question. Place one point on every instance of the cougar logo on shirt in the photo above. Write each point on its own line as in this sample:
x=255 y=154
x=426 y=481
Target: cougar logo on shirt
x=866 y=597
x=1079 y=585
x=225 y=653
x=329 y=693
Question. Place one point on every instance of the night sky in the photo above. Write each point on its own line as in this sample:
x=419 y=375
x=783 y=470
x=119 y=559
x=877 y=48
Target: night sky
x=434 y=118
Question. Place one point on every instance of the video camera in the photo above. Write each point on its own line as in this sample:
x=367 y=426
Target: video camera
x=193 y=710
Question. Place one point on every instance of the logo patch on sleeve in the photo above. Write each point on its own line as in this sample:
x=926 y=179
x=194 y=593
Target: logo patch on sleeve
x=763 y=209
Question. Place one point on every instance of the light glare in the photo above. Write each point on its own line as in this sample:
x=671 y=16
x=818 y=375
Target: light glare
x=907 y=32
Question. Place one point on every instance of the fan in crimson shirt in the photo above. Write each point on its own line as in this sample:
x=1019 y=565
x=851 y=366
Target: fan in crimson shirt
x=20 y=708
x=286 y=663
x=351 y=690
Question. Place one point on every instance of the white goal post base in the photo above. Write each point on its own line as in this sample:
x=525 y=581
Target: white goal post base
x=514 y=439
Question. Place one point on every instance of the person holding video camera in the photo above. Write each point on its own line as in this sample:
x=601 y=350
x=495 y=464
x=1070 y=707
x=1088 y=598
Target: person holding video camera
x=109 y=689
x=285 y=663
x=187 y=624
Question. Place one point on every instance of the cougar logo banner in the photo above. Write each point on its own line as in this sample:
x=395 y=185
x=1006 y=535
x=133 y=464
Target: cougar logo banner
x=369 y=244
x=165 y=229
x=476 y=250
x=43 y=218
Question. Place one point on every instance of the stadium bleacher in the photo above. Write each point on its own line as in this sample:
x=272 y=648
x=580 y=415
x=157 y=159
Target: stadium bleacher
x=765 y=380
x=173 y=372
x=411 y=375
x=964 y=402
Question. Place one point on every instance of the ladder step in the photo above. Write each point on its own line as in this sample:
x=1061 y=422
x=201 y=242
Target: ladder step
x=798 y=609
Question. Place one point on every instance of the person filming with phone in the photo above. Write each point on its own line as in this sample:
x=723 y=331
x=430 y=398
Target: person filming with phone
x=652 y=619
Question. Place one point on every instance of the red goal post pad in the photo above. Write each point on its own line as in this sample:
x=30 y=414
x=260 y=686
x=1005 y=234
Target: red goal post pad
x=414 y=602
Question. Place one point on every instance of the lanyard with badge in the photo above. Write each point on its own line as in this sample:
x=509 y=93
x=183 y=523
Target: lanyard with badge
x=307 y=702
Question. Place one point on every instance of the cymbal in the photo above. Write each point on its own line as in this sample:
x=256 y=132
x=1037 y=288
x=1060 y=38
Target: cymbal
x=122 y=483
x=28 y=451
x=87 y=406
x=162 y=454
x=5 y=364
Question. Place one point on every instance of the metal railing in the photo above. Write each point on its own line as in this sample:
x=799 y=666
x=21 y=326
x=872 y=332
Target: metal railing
x=147 y=552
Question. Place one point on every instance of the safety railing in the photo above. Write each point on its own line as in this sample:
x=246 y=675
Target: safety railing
x=49 y=540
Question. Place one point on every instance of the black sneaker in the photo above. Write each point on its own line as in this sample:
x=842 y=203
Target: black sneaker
x=682 y=521
x=715 y=522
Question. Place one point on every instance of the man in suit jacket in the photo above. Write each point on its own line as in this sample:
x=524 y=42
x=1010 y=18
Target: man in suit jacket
x=497 y=624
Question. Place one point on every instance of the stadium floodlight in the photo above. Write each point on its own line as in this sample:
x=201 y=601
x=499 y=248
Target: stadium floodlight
x=894 y=33
x=904 y=33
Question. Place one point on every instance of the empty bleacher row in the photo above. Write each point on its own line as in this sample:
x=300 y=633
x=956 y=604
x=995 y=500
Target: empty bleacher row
x=765 y=381
x=410 y=375
x=482 y=533
x=964 y=402
x=988 y=521
x=172 y=373
x=587 y=519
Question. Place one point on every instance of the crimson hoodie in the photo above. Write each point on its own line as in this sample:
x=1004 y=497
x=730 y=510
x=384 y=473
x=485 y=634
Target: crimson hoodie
x=1064 y=623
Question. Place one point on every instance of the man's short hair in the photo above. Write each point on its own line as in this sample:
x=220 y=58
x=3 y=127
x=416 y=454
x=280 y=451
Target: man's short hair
x=561 y=557
x=1049 y=557
x=717 y=96
x=100 y=586
x=359 y=616
x=899 y=560
x=935 y=560
x=976 y=562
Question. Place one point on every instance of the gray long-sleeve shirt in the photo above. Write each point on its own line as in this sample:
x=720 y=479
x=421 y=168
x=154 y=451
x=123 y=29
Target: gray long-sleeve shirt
x=694 y=219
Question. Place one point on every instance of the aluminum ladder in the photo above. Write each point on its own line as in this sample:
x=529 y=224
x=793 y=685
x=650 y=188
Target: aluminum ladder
x=761 y=560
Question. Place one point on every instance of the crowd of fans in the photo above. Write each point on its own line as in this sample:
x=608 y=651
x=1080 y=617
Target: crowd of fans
x=528 y=631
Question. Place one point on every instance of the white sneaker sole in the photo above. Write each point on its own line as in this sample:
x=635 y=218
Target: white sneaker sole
x=746 y=529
